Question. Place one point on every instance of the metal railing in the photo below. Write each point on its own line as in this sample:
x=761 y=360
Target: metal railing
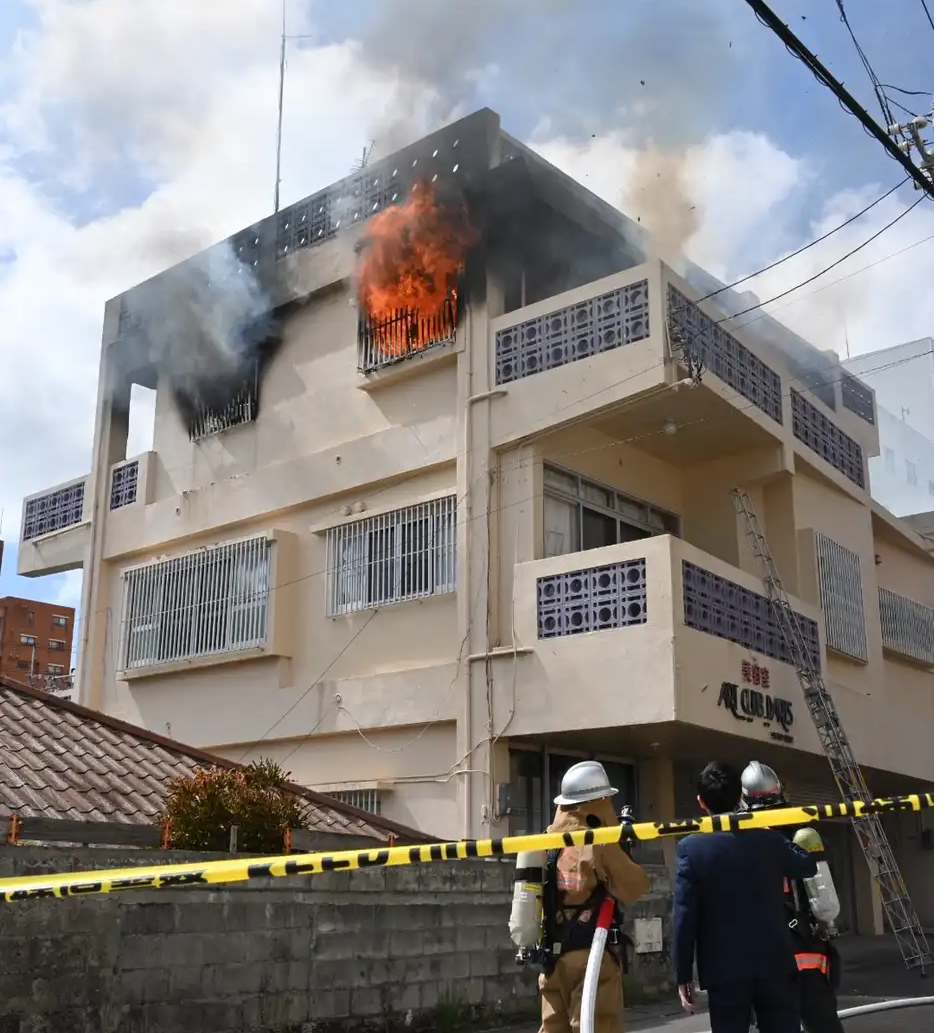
x=404 y=333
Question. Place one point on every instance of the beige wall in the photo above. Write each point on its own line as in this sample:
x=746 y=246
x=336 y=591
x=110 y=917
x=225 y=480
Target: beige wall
x=327 y=438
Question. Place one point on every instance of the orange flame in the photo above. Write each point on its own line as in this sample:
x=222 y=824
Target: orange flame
x=410 y=260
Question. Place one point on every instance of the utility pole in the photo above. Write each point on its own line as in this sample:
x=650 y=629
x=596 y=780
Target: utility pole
x=772 y=21
x=909 y=135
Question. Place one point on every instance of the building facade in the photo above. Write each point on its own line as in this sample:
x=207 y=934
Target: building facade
x=36 y=641
x=902 y=475
x=429 y=576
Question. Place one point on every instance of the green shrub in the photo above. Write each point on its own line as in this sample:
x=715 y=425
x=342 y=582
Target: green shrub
x=201 y=808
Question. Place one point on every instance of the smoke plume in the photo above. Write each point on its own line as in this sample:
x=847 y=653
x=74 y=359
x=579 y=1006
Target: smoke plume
x=655 y=74
x=202 y=325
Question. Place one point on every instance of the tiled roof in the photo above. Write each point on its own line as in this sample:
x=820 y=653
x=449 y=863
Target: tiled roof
x=62 y=760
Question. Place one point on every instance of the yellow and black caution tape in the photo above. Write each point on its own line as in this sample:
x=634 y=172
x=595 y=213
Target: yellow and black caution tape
x=159 y=876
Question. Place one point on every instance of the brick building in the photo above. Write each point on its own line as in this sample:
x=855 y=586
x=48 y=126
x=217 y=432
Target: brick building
x=35 y=638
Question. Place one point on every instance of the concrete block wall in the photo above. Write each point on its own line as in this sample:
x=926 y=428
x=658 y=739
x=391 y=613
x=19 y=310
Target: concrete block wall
x=423 y=947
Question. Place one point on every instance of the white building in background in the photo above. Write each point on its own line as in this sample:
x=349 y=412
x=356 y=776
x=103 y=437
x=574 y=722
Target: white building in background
x=902 y=476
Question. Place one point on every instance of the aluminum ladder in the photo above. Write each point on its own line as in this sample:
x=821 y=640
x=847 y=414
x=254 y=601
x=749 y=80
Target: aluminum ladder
x=895 y=900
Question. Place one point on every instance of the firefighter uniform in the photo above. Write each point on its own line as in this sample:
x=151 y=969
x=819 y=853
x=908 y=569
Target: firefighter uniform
x=578 y=881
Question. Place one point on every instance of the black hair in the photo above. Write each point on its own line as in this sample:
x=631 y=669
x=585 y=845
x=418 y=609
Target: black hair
x=720 y=788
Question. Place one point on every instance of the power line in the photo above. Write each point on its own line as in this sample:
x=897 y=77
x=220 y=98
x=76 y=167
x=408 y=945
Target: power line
x=875 y=82
x=908 y=93
x=828 y=268
x=930 y=17
x=805 y=247
x=795 y=46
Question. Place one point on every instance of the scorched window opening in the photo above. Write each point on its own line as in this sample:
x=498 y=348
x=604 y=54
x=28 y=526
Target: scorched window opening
x=242 y=407
x=404 y=333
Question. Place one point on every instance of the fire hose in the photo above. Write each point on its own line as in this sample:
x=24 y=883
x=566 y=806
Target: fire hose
x=594 y=959
x=864 y=1009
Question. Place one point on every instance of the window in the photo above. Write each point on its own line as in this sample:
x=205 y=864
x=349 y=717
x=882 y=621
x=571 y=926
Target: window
x=907 y=627
x=240 y=407
x=60 y=622
x=405 y=554
x=23 y=665
x=28 y=640
x=365 y=799
x=911 y=474
x=842 y=598
x=580 y=515
x=889 y=459
x=200 y=604
x=57 y=644
x=55 y=669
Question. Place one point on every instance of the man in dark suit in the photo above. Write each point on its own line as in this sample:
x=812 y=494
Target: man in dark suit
x=729 y=914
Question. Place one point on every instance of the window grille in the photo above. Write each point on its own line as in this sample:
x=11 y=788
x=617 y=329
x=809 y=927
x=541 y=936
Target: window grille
x=907 y=627
x=125 y=480
x=53 y=512
x=404 y=333
x=405 y=554
x=365 y=799
x=240 y=409
x=203 y=603
x=842 y=598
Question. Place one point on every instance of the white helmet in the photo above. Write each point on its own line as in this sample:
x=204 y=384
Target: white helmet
x=584 y=782
x=761 y=787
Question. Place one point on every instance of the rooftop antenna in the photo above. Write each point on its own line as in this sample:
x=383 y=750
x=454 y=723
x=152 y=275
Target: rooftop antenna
x=364 y=159
x=280 y=99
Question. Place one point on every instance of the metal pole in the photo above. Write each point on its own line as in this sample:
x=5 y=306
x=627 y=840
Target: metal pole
x=280 y=101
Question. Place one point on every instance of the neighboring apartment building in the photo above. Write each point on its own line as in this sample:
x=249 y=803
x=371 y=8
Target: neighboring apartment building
x=902 y=475
x=36 y=640
x=427 y=563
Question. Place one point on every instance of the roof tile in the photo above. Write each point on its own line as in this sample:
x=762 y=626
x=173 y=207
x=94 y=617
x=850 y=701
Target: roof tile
x=60 y=760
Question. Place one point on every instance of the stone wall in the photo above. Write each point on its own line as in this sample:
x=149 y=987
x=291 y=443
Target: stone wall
x=424 y=947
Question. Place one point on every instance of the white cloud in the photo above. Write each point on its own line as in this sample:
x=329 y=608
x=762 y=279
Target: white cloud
x=182 y=96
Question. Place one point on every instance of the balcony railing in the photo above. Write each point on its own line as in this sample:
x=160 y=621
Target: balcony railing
x=54 y=511
x=403 y=334
x=827 y=439
x=123 y=489
x=590 y=327
x=692 y=331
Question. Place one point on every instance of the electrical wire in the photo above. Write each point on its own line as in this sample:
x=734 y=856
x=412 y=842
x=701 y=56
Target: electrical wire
x=908 y=93
x=805 y=247
x=828 y=268
x=930 y=17
x=875 y=82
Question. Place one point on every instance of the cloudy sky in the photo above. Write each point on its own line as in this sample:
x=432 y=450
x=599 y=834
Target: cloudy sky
x=133 y=132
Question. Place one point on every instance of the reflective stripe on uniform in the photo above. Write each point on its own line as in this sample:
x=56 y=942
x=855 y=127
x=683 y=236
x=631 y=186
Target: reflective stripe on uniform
x=808 y=961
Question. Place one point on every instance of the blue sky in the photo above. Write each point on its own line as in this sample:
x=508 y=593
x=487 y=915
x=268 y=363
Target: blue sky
x=109 y=121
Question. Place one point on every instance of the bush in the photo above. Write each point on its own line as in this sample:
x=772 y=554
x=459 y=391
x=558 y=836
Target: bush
x=201 y=808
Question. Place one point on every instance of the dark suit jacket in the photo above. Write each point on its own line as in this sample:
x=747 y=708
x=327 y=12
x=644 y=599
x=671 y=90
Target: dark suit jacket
x=728 y=905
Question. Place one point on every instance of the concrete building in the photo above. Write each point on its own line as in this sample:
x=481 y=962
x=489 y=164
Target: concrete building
x=36 y=640
x=902 y=475
x=427 y=563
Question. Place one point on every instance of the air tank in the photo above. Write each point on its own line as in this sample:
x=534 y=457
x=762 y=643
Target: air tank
x=820 y=888
x=526 y=905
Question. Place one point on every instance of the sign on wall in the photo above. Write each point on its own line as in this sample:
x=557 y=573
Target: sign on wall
x=750 y=704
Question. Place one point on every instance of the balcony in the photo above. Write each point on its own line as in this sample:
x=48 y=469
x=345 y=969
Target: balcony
x=653 y=632
x=657 y=641
x=54 y=530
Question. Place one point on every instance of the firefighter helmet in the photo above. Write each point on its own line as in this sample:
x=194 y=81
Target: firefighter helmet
x=761 y=787
x=584 y=782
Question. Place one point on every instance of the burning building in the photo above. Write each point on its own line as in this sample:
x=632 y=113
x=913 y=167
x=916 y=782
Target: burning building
x=431 y=512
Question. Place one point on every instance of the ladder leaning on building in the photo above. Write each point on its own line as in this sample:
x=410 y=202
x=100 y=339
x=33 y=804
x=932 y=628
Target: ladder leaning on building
x=895 y=900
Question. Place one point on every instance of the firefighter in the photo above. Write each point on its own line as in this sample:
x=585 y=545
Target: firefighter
x=811 y=905
x=576 y=883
